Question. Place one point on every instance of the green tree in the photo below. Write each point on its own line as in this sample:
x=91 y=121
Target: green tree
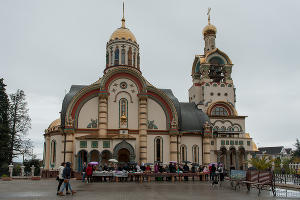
x=263 y=163
x=19 y=122
x=296 y=153
x=4 y=129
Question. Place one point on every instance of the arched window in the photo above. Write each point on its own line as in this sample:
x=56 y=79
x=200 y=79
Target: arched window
x=195 y=155
x=158 y=149
x=123 y=57
x=111 y=57
x=123 y=112
x=219 y=111
x=138 y=60
x=216 y=128
x=129 y=57
x=53 y=153
x=230 y=129
x=134 y=59
x=107 y=58
x=223 y=128
x=117 y=56
x=183 y=152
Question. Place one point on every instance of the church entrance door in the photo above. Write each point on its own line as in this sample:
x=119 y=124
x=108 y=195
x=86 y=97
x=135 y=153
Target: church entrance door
x=123 y=155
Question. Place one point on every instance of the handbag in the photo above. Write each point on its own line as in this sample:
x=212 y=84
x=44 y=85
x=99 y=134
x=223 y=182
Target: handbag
x=66 y=180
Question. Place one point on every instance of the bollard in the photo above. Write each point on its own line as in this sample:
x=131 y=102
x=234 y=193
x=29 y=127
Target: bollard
x=22 y=170
x=10 y=168
x=32 y=170
x=41 y=170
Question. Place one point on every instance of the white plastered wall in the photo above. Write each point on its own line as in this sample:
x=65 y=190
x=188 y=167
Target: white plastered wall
x=88 y=111
x=156 y=114
x=190 y=141
x=150 y=148
x=116 y=93
x=59 y=150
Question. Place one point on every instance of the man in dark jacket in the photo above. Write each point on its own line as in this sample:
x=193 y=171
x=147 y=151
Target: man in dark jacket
x=186 y=169
x=67 y=175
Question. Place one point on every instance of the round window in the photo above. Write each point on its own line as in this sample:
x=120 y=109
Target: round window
x=123 y=85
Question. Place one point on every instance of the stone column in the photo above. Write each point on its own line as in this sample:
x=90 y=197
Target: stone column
x=69 y=145
x=228 y=164
x=143 y=126
x=219 y=153
x=47 y=154
x=173 y=148
x=206 y=143
x=102 y=116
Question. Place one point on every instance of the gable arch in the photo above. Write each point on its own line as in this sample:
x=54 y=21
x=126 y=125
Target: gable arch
x=131 y=74
x=226 y=105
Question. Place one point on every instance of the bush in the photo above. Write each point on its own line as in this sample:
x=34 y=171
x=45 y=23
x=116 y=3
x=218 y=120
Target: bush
x=29 y=163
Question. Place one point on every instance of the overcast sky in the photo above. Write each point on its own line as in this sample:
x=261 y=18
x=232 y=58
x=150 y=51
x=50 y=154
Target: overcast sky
x=46 y=46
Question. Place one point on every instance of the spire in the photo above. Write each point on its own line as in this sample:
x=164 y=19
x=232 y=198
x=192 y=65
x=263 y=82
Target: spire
x=123 y=19
x=208 y=13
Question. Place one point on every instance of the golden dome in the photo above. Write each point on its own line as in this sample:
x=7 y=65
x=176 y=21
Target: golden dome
x=209 y=29
x=54 y=123
x=123 y=33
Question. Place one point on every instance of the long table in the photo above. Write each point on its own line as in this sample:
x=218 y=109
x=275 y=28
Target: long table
x=141 y=176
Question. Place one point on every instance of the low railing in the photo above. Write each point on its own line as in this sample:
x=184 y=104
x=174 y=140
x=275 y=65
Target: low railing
x=287 y=179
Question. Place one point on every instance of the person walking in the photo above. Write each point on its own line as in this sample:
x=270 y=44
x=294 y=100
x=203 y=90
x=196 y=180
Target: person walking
x=66 y=176
x=89 y=172
x=60 y=177
x=83 y=171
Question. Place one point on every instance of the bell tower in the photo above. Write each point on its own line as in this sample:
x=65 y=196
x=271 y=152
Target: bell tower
x=211 y=73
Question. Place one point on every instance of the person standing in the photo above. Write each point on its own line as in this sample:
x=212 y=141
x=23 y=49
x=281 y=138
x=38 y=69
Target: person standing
x=186 y=169
x=83 y=171
x=67 y=176
x=60 y=177
x=89 y=172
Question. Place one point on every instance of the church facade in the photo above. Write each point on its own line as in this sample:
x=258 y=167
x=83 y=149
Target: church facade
x=125 y=117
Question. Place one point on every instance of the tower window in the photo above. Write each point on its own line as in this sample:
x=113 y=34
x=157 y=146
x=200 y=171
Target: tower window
x=134 y=59
x=129 y=57
x=107 y=58
x=123 y=113
x=219 y=111
x=123 y=57
x=117 y=56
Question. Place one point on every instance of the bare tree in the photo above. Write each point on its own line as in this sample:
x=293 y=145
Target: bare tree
x=25 y=148
x=19 y=122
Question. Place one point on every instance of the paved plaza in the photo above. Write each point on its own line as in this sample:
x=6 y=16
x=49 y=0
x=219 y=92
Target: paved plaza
x=46 y=189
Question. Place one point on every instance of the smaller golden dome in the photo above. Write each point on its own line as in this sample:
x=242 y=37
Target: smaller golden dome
x=209 y=29
x=54 y=123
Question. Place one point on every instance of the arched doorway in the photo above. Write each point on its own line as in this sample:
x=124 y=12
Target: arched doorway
x=241 y=162
x=81 y=158
x=123 y=155
x=232 y=158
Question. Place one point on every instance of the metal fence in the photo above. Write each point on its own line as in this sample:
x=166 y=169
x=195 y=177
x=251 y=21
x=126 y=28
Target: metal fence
x=287 y=179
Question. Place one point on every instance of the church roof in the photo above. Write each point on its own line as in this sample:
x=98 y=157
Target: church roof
x=68 y=98
x=192 y=119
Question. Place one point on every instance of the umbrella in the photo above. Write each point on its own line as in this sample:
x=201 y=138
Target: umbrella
x=148 y=164
x=187 y=162
x=93 y=163
x=112 y=160
x=216 y=164
x=132 y=163
x=173 y=161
